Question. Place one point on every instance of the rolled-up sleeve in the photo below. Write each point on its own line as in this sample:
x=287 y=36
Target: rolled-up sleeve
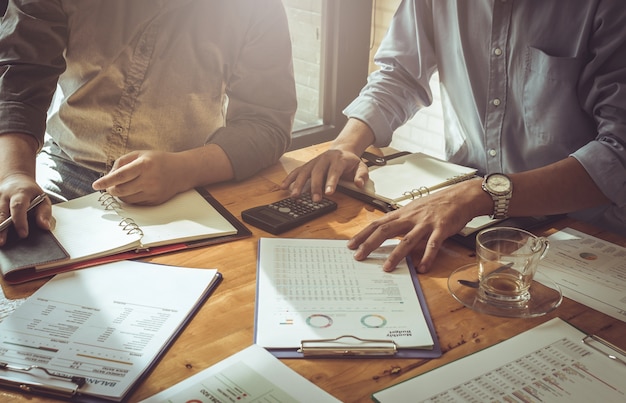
x=30 y=68
x=262 y=95
x=406 y=60
x=602 y=91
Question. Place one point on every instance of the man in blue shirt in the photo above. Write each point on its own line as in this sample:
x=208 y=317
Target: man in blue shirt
x=532 y=90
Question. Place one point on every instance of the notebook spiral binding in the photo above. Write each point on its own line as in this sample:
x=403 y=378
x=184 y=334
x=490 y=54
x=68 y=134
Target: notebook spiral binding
x=417 y=193
x=127 y=224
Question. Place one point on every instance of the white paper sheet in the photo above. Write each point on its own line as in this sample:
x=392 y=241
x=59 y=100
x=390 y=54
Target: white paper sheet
x=588 y=270
x=549 y=363
x=310 y=289
x=106 y=323
x=251 y=375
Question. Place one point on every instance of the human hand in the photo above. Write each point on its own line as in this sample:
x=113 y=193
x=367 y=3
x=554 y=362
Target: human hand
x=424 y=225
x=323 y=173
x=16 y=193
x=144 y=177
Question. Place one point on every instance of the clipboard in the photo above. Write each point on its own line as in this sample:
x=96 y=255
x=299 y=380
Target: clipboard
x=354 y=346
x=43 y=381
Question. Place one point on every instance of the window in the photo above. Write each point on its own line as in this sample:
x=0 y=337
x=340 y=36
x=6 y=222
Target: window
x=331 y=44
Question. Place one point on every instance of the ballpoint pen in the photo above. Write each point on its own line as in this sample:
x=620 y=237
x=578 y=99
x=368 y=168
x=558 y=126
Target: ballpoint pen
x=34 y=203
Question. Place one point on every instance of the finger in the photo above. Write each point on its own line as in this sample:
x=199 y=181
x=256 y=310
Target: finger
x=124 y=160
x=408 y=243
x=334 y=173
x=3 y=234
x=362 y=175
x=289 y=179
x=300 y=180
x=318 y=179
x=376 y=237
x=43 y=215
x=362 y=235
x=18 y=207
x=435 y=241
x=117 y=177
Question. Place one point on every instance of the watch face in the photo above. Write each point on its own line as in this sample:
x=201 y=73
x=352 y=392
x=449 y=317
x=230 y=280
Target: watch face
x=499 y=183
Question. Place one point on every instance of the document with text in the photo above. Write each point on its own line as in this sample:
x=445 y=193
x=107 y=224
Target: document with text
x=96 y=331
x=553 y=362
x=314 y=290
x=589 y=270
x=251 y=375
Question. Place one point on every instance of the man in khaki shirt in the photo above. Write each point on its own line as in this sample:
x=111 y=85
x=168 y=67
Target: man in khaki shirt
x=151 y=98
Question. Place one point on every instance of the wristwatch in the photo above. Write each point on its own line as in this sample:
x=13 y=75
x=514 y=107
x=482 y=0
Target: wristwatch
x=500 y=188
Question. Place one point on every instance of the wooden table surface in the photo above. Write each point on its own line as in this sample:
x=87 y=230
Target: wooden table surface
x=224 y=325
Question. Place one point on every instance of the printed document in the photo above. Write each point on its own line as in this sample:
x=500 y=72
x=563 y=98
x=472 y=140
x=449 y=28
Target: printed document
x=312 y=289
x=589 y=270
x=549 y=363
x=251 y=375
x=107 y=324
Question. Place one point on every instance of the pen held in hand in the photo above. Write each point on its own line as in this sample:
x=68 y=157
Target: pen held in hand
x=34 y=203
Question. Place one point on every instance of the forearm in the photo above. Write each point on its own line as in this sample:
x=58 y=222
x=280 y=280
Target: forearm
x=17 y=153
x=355 y=137
x=251 y=146
x=562 y=187
x=203 y=166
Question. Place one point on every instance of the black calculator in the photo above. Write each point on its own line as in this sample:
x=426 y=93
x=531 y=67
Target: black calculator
x=288 y=213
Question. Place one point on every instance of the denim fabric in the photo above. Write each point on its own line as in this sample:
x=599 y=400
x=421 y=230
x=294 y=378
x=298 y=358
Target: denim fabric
x=61 y=178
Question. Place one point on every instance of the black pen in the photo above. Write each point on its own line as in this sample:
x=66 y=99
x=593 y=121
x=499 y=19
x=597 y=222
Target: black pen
x=6 y=223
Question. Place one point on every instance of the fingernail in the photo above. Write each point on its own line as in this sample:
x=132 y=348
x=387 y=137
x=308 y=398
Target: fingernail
x=421 y=268
x=387 y=267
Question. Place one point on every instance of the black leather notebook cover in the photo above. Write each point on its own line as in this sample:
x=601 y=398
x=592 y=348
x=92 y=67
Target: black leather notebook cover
x=38 y=248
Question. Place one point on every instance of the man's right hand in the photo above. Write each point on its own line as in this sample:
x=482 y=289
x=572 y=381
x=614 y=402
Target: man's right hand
x=342 y=160
x=323 y=173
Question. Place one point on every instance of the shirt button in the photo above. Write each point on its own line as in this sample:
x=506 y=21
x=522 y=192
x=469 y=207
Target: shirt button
x=497 y=51
x=492 y=152
x=496 y=102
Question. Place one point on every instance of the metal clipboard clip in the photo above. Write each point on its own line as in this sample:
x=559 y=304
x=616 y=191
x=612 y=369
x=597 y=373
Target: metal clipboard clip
x=610 y=350
x=45 y=383
x=347 y=346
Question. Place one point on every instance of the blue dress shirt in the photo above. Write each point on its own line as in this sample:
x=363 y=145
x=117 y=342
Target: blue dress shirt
x=523 y=83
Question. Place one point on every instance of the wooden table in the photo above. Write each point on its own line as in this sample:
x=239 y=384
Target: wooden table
x=224 y=325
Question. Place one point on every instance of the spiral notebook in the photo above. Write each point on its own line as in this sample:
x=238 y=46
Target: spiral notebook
x=99 y=228
x=397 y=179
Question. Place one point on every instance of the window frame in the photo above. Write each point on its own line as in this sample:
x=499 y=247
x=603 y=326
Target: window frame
x=346 y=33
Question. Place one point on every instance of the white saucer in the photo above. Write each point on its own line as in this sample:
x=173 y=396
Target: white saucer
x=545 y=295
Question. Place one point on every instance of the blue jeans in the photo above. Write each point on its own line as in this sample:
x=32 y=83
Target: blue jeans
x=61 y=178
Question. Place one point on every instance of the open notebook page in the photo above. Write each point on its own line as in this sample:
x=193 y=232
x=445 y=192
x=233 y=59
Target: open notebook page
x=185 y=217
x=414 y=172
x=86 y=229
